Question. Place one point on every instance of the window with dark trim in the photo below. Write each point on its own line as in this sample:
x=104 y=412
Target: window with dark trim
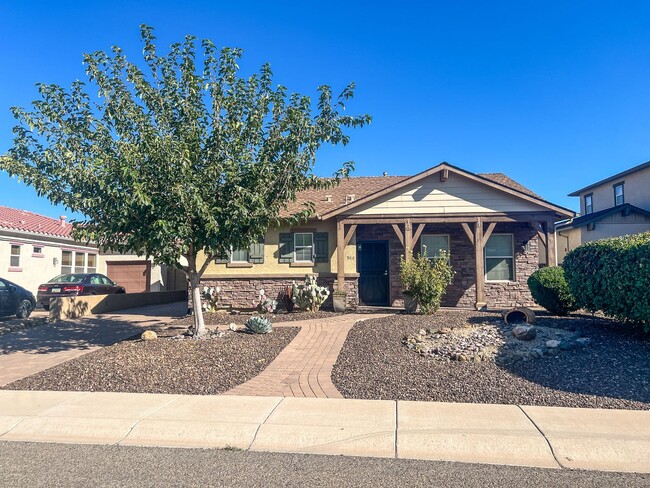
x=500 y=258
x=589 y=204
x=303 y=247
x=433 y=244
x=619 y=195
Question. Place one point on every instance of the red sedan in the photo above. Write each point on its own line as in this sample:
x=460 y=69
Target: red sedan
x=76 y=284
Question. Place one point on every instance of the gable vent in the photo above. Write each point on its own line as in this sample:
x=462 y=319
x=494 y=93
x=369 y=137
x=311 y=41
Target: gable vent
x=328 y=198
x=349 y=198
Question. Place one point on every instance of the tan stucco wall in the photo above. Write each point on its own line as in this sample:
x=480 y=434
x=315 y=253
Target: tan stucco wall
x=566 y=240
x=272 y=266
x=636 y=192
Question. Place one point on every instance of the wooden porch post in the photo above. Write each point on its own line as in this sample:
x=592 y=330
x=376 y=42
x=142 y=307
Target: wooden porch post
x=480 y=264
x=408 y=239
x=340 y=256
x=551 y=258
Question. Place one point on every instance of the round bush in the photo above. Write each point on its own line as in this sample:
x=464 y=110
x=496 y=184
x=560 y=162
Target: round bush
x=550 y=290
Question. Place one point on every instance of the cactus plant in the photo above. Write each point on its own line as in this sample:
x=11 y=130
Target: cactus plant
x=259 y=325
x=309 y=296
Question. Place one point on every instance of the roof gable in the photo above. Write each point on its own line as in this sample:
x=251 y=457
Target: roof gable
x=625 y=210
x=495 y=181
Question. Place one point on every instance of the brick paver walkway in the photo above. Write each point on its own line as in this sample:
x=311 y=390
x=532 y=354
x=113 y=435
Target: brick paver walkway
x=304 y=367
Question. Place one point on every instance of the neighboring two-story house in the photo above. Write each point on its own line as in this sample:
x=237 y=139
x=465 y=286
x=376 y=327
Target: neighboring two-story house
x=35 y=249
x=616 y=206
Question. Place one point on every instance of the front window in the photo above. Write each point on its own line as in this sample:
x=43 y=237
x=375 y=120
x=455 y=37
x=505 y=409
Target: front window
x=619 y=197
x=37 y=250
x=589 y=205
x=79 y=262
x=239 y=256
x=431 y=245
x=92 y=263
x=303 y=246
x=15 y=256
x=499 y=258
x=66 y=262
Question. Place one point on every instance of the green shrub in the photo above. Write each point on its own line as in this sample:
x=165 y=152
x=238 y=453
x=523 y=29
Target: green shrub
x=550 y=290
x=426 y=280
x=259 y=325
x=612 y=275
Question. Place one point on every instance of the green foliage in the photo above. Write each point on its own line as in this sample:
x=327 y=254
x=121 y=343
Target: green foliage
x=612 y=275
x=259 y=325
x=211 y=296
x=550 y=290
x=426 y=280
x=179 y=156
x=308 y=295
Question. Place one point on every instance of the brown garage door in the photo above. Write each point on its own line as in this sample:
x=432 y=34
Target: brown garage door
x=135 y=276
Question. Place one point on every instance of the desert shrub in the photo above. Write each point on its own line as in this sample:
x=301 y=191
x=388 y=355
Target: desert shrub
x=426 y=280
x=264 y=303
x=550 y=290
x=211 y=296
x=308 y=295
x=259 y=325
x=612 y=275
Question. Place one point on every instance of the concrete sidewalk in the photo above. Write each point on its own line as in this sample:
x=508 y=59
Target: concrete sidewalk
x=609 y=440
x=29 y=351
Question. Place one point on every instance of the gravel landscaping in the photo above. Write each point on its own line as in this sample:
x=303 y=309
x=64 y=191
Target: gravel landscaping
x=240 y=318
x=603 y=364
x=12 y=324
x=166 y=365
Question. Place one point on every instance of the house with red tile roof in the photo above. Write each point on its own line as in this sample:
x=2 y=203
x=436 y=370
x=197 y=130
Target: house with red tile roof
x=35 y=248
x=496 y=231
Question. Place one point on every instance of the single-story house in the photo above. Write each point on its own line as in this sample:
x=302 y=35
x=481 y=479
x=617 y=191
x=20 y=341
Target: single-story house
x=35 y=249
x=496 y=231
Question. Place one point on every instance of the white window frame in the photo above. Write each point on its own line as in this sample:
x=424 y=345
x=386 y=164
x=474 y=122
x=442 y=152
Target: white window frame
x=12 y=255
x=622 y=187
x=295 y=247
x=232 y=253
x=34 y=249
x=591 y=203
x=431 y=258
x=512 y=256
x=94 y=269
x=73 y=268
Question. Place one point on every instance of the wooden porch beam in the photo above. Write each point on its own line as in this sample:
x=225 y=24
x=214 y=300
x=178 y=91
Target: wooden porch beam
x=418 y=233
x=480 y=265
x=350 y=233
x=537 y=227
x=340 y=256
x=398 y=231
x=468 y=231
x=551 y=258
x=408 y=240
x=447 y=218
x=488 y=232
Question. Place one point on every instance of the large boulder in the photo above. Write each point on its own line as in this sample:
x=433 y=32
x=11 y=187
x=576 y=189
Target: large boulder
x=524 y=332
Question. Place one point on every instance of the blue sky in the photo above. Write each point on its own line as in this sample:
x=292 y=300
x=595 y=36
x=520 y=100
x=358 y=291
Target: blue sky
x=554 y=94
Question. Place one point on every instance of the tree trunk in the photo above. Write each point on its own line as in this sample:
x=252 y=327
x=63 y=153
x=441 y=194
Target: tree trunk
x=195 y=290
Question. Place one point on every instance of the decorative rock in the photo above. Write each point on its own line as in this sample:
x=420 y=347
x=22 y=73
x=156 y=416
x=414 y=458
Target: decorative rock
x=567 y=345
x=552 y=344
x=423 y=332
x=149 y=335
x=233 y=326
x=524 y=332
x=583 y=341
x=444 y=330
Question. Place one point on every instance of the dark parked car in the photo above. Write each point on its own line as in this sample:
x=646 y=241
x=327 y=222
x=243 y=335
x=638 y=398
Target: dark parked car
x=15 y=300
x=76 y=284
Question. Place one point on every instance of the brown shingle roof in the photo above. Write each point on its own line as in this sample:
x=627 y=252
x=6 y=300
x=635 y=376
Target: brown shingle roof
x=363 y=186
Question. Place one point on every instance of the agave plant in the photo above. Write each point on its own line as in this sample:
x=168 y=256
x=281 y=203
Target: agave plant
x=259 y=325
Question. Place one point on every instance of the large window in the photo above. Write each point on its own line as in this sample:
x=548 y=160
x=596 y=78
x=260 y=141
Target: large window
x=432 y=245
x=78 y=262
x=14 y=261
x=619 y=197
x=303 y=246
x=499 y=258
x=589 y=204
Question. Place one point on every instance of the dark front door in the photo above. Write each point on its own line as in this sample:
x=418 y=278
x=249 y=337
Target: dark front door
x=372 y=266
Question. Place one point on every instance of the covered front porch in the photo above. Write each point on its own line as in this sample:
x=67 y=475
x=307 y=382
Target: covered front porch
x=492 y=277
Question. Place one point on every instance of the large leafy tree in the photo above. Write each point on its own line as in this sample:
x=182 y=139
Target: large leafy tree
x=177 y=157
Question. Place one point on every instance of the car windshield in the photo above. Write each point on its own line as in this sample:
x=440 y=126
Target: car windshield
x=68 y=278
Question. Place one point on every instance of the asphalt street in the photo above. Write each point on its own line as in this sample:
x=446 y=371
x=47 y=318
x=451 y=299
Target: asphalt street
x=63 y=465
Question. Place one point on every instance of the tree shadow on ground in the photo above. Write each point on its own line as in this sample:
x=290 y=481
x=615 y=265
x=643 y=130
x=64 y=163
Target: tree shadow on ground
x=84 y=333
